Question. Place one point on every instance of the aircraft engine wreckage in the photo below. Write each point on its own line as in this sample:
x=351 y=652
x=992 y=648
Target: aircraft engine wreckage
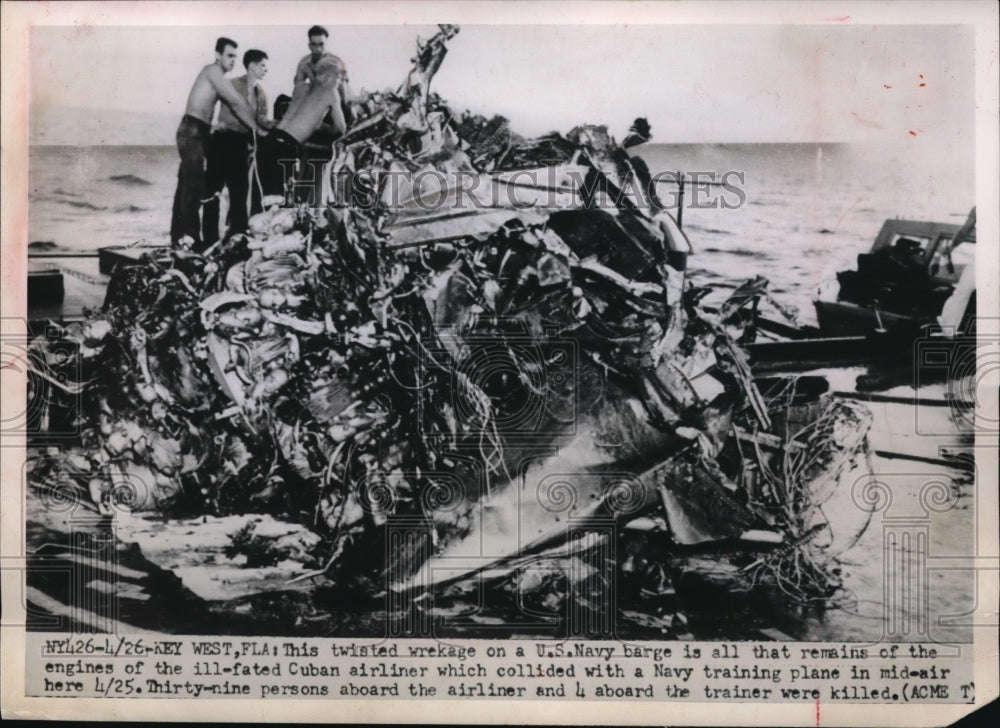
x=533 y=395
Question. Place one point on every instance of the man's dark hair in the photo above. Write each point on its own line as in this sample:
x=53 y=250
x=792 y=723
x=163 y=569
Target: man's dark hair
x=253 y=56
x=221 y=43
x=318 y=30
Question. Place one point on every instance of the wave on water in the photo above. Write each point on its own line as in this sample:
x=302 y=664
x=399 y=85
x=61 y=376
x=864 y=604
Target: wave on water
x=70 y=202
x=40 y=246
x=743 y=252
x=707 y=230
x=814 y=252
x=81 y=204
x=129 y=180
x=64 y=193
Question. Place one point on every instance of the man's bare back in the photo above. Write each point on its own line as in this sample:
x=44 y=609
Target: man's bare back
x=310 y=102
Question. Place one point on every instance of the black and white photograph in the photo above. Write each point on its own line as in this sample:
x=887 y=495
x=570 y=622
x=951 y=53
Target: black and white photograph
x=563 y=353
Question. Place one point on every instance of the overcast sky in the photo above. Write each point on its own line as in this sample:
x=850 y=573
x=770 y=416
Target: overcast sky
x=723 y=83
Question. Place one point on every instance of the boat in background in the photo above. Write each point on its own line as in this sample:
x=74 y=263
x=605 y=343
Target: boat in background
x=903 y=282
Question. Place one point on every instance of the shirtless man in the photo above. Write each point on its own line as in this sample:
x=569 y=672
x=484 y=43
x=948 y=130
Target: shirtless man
x=210 y=86
x=305 y=117
x=306 y=113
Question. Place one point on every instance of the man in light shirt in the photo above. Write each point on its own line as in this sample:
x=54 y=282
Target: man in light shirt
x=229 y=152
x=308 y=68
x=305 y=72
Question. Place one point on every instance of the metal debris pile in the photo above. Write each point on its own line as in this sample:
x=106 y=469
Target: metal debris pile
x=360 y=369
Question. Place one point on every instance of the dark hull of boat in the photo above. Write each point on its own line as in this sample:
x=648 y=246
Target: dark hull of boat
x=839 y=318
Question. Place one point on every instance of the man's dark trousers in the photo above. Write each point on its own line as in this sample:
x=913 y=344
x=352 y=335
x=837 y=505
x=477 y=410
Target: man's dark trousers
x=192 y=137
x=228 y=166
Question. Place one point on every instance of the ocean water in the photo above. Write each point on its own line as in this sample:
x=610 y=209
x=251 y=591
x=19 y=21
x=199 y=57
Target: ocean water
x=795 y=213
x=808 y=209
x=84 y=198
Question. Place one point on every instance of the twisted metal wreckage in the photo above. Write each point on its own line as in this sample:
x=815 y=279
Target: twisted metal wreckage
x=534 y=392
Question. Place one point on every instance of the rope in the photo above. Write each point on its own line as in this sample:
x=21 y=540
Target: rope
x=253 y=175
x=76 y=274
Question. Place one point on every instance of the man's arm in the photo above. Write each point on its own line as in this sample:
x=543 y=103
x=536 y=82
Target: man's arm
x=345 y=100
x=336 y=113
x=262 y=110
x=224 y=88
